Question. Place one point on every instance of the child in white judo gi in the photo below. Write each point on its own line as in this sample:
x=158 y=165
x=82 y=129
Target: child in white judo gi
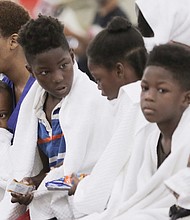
x=6 y=107
x=70 y=122
x=116 y=59
x=161 y=148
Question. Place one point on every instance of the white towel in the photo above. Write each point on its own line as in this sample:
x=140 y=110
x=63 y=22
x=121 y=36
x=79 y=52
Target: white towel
x=169 y=20
x=151 y=197
x=86 y=120
x=140 y=192
x=179 y=183
x=5 y=161
x=94 y=191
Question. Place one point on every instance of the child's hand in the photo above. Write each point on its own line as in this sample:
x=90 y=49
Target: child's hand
x=28 y=180
x=21 y=199
x=75 y=180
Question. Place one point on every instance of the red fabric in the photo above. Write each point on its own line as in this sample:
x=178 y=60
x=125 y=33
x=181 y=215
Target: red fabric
x=29 y=5
x=25 y=216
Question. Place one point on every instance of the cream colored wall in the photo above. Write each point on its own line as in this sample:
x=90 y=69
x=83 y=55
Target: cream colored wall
x=129 y=7
x=85 y=10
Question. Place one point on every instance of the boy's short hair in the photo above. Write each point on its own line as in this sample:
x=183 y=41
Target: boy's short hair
x=175 y=58
x=12 y=17
x=42 y=34
x=118 y=42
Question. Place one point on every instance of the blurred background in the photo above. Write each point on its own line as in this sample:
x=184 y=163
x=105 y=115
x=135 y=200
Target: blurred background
x=82 y=19
x=84 y=9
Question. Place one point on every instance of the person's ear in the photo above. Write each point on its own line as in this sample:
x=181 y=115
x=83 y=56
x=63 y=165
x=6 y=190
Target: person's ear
x=120 y=70
x=71 y=51
x=187 y=98
x=28 y=67
x=13 y=41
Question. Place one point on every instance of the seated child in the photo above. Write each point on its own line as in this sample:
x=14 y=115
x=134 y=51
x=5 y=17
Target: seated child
x=116 y=59
x=161 y=147
x=12 y=63
x=165 y=99
x=5 y=136
x=64 y=116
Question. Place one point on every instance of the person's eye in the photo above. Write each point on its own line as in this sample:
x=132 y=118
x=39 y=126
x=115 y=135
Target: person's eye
x=144 y=88
x=44 y=73
x=162 y=90
x=3 y=115
x=64 y=65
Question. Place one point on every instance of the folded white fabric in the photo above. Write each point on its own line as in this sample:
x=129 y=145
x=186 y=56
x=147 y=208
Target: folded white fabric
x=94 y=191
x=5 y=162
x=169 y=20
x=179 y=183
x=140 y=192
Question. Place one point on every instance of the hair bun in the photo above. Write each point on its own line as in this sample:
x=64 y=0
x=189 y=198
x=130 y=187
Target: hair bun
x=118 y=24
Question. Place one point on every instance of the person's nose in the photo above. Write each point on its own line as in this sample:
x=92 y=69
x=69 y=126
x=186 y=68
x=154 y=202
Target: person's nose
x=149 y=95
x=57 y=76
x=99 y=86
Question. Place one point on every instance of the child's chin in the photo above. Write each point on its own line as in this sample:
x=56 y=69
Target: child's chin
x=150 y=119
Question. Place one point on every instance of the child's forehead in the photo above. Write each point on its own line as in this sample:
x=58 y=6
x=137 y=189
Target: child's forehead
x=4 y=88
x=158 y=69
x=158 y=73
x=54 y=51
x=53 y=54
x=4 y=94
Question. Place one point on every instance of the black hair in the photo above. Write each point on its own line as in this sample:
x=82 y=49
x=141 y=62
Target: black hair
x=5 y=88
x=175 y=58
x=42 y=34
x=119 y=41
x=12 y=17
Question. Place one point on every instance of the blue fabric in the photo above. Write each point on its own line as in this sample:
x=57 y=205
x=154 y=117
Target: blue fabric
x=16 y=106
x=53 y=145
